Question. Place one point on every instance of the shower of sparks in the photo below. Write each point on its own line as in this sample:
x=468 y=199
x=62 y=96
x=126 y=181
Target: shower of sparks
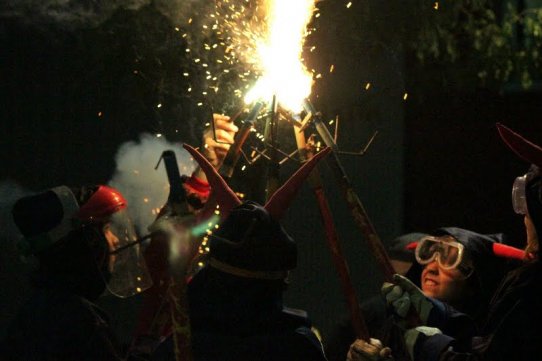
x=235 y=44
x=280 y=55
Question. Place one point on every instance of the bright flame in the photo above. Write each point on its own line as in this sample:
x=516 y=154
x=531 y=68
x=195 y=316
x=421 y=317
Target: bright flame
x=283 y=73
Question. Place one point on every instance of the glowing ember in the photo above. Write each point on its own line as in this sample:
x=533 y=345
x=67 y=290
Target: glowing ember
x=279 y=53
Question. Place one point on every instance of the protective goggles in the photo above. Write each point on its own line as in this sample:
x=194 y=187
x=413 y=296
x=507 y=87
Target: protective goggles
x=519 y=199
x=445 y=250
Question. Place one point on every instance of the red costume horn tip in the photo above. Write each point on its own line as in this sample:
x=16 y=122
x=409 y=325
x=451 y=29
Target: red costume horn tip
x=505 y=251
x=281 y=199
x=525 y=149
x=225 y=196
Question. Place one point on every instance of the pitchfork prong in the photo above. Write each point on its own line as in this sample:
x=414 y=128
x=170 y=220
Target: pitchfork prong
x=290 y=157
x=364 y=149
x=258 y=156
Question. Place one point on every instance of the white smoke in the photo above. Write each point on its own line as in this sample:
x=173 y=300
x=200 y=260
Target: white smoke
x=145 y=188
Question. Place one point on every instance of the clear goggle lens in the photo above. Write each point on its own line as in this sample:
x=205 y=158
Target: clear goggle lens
x=445 y=250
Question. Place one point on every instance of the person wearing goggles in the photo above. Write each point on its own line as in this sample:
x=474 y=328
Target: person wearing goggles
x=511 y=329
x=452 y=265
x=463 y=268
x=446 y=268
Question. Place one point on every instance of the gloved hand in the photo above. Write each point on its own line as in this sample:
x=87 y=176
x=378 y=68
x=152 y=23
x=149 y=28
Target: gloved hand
x=403 y=294
x=415 y=335
x=373 y=350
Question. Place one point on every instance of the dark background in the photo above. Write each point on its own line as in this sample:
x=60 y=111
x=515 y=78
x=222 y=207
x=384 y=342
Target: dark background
x=70 y=98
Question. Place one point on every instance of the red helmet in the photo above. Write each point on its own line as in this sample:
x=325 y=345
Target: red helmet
x=101 y=205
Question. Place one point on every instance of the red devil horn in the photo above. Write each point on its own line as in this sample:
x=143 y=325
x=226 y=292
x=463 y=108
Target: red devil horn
x=280 y=200
x=526 y=150
x=505 y=251
x=225 y=197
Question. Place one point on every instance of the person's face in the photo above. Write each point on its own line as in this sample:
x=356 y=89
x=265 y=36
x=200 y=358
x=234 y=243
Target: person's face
x=112 y=243
x=532 y=237
x=449 y=286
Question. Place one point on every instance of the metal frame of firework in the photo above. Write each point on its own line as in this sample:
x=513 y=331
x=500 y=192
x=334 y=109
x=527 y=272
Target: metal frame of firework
x=306 y=153
x=359 y=214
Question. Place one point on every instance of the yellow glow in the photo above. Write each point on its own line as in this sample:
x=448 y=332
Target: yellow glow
x=279 y=55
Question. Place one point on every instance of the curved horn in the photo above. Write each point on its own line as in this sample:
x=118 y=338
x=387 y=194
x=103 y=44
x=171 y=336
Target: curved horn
x=280 y=200
x=525 y=149
x=225 y=197
x=505 y=251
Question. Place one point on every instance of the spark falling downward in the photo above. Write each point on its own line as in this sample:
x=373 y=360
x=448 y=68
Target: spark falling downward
x=280 y=54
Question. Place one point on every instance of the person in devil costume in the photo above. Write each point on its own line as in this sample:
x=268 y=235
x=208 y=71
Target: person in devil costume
x=236 y=307
x=511 y=330
x=84 y=243
x=455 y=266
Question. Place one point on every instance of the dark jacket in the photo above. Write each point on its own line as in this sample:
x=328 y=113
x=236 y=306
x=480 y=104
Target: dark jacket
x=238 y=319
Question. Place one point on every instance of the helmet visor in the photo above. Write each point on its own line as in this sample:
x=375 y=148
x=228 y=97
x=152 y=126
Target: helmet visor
x=445 y=250
x=127 y=268
x=519 y=200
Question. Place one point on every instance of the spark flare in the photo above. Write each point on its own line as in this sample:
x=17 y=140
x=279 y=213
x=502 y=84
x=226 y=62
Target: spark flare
x=280 y=54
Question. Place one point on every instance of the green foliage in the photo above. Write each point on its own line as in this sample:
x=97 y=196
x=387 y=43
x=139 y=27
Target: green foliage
x=498 y=42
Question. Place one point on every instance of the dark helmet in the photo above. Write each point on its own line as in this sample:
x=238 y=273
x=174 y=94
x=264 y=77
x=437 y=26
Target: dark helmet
x=48 y=217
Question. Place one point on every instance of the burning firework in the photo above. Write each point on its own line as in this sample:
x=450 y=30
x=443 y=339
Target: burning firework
x=280 y=54
x=252 y=49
